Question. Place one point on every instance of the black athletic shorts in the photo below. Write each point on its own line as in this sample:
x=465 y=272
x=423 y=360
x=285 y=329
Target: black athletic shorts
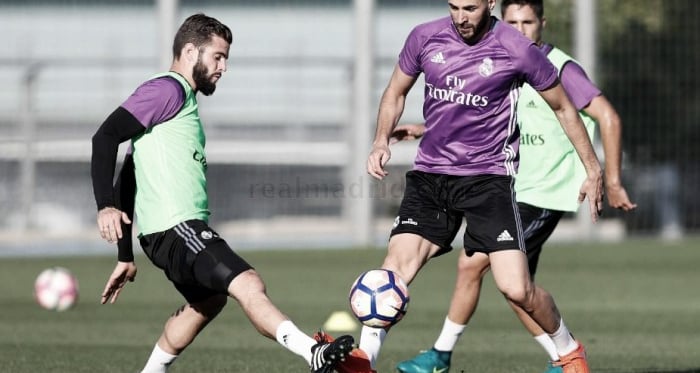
x=538 y=224
x=434 y=206
x=198 y=262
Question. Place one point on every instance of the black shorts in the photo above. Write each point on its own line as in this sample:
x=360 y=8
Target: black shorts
x=198 y=262
x=434 y=206
x=538 y=224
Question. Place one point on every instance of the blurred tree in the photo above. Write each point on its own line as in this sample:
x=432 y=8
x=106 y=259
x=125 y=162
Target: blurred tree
x=648 y=66
x=559 y=24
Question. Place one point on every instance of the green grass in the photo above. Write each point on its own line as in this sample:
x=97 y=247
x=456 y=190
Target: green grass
x=635 y=305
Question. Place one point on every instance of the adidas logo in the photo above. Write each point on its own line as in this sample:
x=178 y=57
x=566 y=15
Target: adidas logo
x=504 y=236
x=531 y=104
x=438 y=58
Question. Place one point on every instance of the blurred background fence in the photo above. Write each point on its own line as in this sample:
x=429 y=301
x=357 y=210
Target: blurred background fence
x=290 y=125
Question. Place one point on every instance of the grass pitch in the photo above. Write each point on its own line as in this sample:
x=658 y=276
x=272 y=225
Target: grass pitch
x=635 y=305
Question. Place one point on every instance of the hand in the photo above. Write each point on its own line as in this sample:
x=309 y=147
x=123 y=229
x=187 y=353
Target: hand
x=379 y=156
x=592 y=189
x=109 y=222
x=407 y=132
x=124 y=272
x=617 y=198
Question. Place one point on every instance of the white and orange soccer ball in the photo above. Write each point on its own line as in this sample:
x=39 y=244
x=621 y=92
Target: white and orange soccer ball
x=379 y=298
x=56 y=289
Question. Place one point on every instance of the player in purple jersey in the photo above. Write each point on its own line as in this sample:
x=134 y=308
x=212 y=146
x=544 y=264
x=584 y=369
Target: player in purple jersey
x=162 y=120
x=474 y=66
x=536 y=185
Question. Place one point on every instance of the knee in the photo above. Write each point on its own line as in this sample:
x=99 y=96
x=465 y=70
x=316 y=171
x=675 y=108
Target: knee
x=247 y=285
x=520 y=294
x=406 y=255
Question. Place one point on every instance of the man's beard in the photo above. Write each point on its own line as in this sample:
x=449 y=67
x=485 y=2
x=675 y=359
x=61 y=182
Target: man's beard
x=201 y=80
x=479 y=29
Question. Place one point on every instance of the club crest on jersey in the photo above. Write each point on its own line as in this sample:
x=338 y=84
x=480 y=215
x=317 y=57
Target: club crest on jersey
x=486 y=67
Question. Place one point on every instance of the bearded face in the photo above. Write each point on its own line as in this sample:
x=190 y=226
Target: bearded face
x=205 y=82
x=471 y=18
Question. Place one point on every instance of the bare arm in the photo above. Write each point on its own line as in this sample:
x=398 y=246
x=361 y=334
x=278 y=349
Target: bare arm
x=412 y=131
x=572 y=125
x=390 y=109
x=610 y=125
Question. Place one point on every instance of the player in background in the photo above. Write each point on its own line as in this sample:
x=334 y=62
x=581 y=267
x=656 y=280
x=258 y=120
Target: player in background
x=474 y=66
x=546 y=183
x=164 y=179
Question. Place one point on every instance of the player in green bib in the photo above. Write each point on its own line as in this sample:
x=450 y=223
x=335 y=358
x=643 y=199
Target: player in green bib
x=172 y=167
x=547 y=183
x=164 y=180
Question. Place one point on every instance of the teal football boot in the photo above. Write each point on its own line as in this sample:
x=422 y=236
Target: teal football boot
x=431 y=361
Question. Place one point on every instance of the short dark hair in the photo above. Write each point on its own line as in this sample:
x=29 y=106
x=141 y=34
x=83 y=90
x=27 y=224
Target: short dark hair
x=536 y=5
x=198 y=29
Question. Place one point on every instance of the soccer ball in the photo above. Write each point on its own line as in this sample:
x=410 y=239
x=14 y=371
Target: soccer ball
x=379 y=298
x=56 y=289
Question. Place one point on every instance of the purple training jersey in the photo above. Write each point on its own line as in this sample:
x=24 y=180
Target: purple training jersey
x=471 y=92
x=155 y=101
